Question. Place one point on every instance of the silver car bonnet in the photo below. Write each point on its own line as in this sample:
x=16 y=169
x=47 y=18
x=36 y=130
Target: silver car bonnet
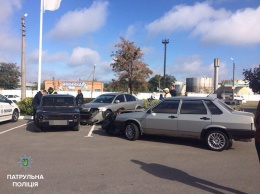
x=95 y=105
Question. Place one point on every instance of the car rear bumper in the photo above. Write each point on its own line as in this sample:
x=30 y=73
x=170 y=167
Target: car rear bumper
x=242 y=135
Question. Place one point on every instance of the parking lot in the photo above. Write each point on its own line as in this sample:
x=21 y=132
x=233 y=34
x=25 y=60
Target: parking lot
x=90 y=161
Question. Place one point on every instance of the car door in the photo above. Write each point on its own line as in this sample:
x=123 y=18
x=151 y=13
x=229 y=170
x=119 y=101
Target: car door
x=5 y=109
x=130 y=102
x=163 y=118
x=193 y=117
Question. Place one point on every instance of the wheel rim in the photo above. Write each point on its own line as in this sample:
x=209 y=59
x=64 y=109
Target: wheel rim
x=216 y=141
x=129 y=131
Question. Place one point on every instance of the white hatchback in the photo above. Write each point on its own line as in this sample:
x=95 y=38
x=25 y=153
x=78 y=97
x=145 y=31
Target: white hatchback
x=8 y=110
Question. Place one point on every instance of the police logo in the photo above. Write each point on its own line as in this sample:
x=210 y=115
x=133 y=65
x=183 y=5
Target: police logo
x=25 y=162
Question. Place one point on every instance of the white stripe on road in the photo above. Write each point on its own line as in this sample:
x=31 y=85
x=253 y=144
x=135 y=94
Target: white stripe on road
x=90 y=132
x=15 y=128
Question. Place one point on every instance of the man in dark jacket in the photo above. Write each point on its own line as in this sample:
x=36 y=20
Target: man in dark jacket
x=173 y=91
x=257 y=134
x=37 y=100
x=79 y=98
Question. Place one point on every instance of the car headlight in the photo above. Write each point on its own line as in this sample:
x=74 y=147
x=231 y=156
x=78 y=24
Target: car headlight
x=40 y=117
x=102 y=109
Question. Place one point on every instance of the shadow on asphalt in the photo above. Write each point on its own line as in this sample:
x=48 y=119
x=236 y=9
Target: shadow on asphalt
x=174 y=174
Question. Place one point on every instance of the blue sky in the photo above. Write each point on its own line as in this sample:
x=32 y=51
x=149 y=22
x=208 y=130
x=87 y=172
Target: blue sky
x=82 y=33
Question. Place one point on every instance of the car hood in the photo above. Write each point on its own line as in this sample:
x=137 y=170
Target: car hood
x=95 y=105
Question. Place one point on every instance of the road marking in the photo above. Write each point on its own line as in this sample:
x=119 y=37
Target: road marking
x=90 y=132
x=15 y=127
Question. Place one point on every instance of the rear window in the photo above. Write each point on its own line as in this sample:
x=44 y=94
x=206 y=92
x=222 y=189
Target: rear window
x=213 y=108
x=58 y=101
x=193 y=107
x=129 y=98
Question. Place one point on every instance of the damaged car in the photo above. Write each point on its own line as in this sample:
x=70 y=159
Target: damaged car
x=96 y=110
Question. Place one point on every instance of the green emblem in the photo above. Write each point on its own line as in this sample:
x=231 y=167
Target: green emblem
x=25 y=162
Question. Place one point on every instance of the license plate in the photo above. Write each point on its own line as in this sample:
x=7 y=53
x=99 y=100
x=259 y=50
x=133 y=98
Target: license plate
x=58 y=122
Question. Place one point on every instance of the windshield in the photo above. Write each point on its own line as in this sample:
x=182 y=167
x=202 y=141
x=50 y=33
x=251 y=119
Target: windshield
x=104 y=99
x=223 y=104
x=58 y=101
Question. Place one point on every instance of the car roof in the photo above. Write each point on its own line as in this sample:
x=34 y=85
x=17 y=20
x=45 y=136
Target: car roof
x=57 y=95
x=114 y=93
x=190 y=98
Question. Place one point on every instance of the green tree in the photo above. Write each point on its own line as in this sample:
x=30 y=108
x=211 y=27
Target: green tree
x=9 y=75
x=253 y=76
x=129 y=67
x=157 y=81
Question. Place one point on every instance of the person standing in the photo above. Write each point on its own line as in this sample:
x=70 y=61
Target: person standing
x=79 y=98
x=37 y=100
x=51 y=91
x=166 y=93
x=173 y=91
x=257 y=134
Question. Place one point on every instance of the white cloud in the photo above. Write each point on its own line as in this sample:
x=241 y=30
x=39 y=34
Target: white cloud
x=193 y=67
x=79 y=22
x=7 y=9
x=220 y=26
x=83 y=56
x=8 y=39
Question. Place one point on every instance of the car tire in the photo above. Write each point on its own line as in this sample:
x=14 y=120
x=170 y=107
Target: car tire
x=217 y=140
x=15 y=116
x=76 y=128
x=131 y=131
x=230 y=143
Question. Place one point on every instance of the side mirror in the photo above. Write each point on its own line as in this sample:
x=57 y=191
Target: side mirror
x=117 y=101
x=9 y=101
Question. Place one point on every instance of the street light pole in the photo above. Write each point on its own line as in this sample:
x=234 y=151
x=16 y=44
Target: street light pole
x=165 y=42
x=92 y=88
x=23 y=74
x=233 y=88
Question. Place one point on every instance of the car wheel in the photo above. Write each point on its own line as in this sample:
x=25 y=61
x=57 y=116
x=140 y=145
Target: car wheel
x=217 y=140
x=132 y=131
x=230 y=143
x=76 y=128
x=15 y=116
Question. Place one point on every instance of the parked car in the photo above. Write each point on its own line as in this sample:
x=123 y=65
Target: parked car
x=14 y=98
x=58 y=111
x=205 y=118
x=8 y=110
x=96 y=110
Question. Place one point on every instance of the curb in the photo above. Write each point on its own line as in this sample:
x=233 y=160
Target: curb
x=26 y=117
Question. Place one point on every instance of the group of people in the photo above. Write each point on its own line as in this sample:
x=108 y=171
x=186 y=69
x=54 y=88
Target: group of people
x=168 y=92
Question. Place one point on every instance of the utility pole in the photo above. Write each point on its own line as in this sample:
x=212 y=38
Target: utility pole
x=23 y=76
x=165 y=42
x=93 y=79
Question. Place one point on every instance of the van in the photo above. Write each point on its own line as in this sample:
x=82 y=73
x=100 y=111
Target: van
x=8 y=110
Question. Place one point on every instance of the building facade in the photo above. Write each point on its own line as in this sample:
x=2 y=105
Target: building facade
x=72 y=85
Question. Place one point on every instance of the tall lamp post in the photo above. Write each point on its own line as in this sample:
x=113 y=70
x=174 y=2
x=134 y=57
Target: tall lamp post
x=165 y=42
x=23 y=76
x=92 y=88
x=233 y=88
